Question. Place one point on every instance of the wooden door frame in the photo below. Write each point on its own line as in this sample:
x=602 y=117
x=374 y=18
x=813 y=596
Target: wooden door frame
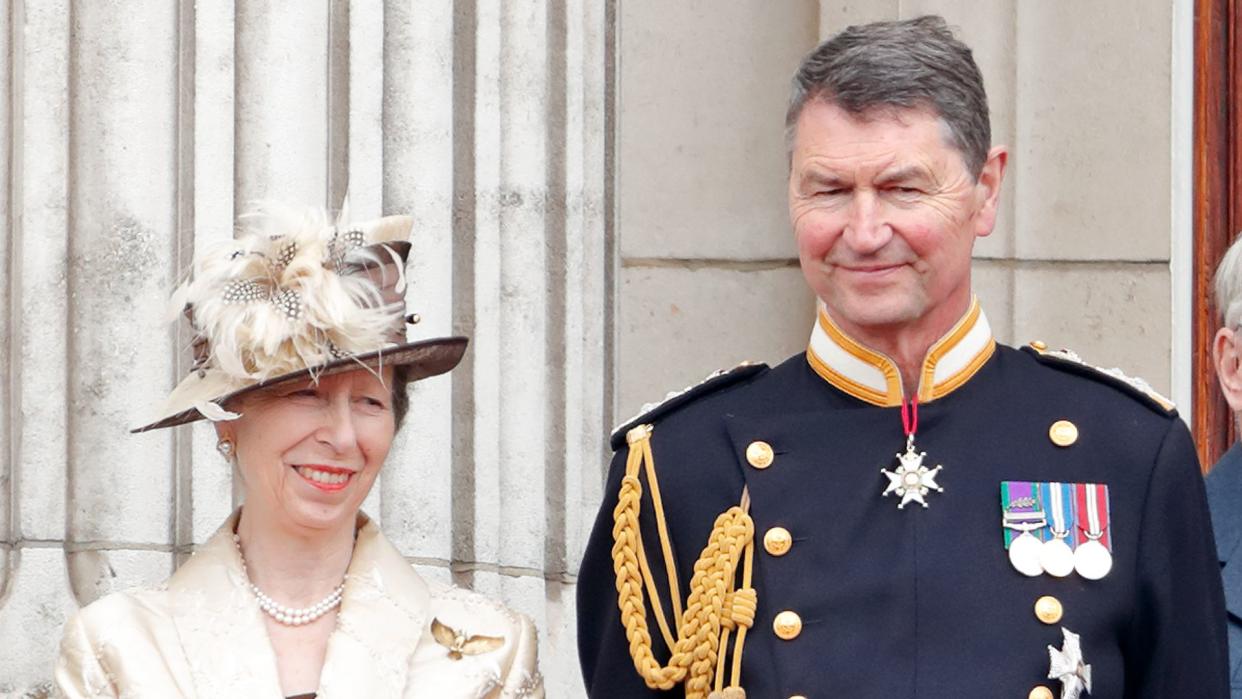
x=1217 y=199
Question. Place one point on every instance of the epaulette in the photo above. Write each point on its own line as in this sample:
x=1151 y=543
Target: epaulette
x=675 y=399
x=1069 y=360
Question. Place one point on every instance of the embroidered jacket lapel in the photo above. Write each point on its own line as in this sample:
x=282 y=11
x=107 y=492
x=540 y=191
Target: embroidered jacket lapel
x=220 y=626
x=382 y=617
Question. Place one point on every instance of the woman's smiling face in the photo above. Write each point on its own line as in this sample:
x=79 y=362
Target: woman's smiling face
x=309 y=451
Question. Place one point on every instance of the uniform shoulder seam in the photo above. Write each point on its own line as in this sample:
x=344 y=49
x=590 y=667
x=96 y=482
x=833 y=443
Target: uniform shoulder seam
x=1135 y=387
x=675 y=400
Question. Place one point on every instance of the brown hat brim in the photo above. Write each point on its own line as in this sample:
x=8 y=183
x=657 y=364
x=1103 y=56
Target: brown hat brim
x=423 y=359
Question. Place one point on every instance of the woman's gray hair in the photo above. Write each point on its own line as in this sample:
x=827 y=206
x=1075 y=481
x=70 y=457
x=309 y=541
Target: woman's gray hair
x=400 y=396
x=910 y=64
x=1229 y=286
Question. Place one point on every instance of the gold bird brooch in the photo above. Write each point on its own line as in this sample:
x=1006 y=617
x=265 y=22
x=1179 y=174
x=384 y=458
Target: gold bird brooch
x=459 y=644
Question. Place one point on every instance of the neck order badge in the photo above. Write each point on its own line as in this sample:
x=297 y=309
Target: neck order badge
x=912 y=480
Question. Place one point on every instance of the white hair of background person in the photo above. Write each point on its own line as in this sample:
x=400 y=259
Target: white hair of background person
x=1227 y=344
x=1229 y=286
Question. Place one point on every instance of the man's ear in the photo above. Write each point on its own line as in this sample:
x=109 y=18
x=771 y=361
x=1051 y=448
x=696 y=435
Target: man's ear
x=988 y=188
x=1227 y=358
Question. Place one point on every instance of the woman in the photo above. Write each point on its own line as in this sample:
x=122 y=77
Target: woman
x=301 y=362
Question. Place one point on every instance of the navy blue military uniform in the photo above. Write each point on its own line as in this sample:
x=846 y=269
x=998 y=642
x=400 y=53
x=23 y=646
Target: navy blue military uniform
x=924 y=602
x=1224 y=491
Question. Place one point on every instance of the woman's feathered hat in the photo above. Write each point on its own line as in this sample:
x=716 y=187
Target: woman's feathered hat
x=295 y=294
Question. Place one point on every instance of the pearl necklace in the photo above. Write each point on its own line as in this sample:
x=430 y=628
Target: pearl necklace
x=289 y=616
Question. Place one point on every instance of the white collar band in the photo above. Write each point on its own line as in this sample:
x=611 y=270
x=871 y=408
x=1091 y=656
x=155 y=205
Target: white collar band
x=873 y=377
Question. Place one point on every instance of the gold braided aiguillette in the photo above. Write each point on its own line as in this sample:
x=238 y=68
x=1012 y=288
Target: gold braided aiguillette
x=715 y=606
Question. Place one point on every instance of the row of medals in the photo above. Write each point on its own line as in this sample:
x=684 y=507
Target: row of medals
x=1031 y=556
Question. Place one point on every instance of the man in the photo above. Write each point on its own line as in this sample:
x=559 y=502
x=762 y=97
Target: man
x=907 y=509
x=1224 y=482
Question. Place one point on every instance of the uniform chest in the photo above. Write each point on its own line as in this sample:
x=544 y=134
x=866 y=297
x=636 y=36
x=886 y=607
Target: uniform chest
x=847 y=580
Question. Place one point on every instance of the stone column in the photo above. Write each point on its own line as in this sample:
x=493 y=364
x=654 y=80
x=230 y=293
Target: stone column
x=36 y=394
x=708 y=267
x=139 y=142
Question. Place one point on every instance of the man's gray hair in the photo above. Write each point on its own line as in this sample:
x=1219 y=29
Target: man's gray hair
x=1229 y=286
x=910 y=64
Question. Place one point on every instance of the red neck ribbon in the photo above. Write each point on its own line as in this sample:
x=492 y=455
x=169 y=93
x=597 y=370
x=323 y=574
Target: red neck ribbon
x=910 y=415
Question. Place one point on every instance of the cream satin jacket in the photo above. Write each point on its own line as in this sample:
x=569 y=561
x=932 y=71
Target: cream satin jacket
x=202 y=635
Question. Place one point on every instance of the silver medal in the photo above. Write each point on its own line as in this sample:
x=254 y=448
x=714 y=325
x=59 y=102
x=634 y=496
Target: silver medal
x=1056 y=557
x=1022 y=514
x=1092 y=560
x=1024 y=554
x=1067 y=665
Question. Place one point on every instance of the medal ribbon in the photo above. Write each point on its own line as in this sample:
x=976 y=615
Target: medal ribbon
x=1022 y=509
x=1056 y=505
x=910 y=416
x=1092 y=500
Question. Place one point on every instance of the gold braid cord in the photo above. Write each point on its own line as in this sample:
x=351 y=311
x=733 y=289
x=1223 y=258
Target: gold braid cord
x=714 y=607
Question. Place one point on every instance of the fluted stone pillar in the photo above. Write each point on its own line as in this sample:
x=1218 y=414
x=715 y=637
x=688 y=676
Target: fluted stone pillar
x=138 y=133
x=36 y=588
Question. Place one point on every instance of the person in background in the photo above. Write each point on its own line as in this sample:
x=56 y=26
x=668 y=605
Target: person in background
x=302 y=363
x=1224 y=481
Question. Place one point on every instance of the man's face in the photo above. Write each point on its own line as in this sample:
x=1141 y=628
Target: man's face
x=885 y=214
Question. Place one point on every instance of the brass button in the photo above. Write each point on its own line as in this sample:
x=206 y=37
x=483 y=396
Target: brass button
x=759 y=454
x=777 y=541
x=1048 y=609
x=1039 y=345
x=787 y=625
x=1063 y=433
x=1040 y=692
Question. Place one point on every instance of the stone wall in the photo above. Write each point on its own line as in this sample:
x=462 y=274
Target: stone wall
x=1081 y=255
x=599 y=194
x=138 y=129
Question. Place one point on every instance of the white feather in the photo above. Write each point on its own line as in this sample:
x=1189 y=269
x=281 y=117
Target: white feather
x=387 y=229
x=400 y=265
x=212 y=411
x=254 y=340
x=176 y=303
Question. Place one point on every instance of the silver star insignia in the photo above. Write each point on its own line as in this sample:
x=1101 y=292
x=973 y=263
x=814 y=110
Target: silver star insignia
x=1067 y=665
x=912 y=480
